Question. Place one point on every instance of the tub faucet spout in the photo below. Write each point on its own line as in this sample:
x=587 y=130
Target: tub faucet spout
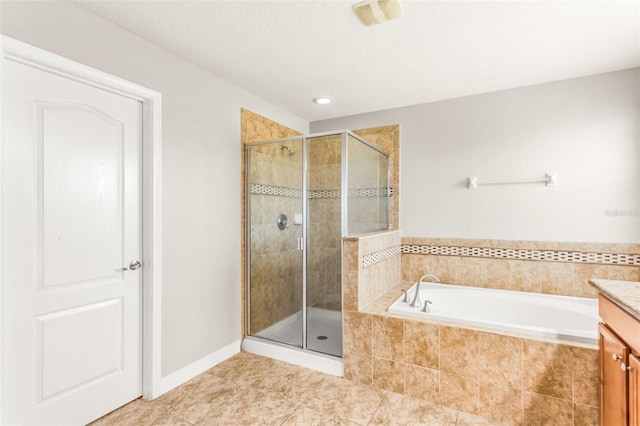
x=416 y=303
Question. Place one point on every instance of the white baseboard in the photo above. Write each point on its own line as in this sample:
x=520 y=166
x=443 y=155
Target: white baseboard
x=187 y=373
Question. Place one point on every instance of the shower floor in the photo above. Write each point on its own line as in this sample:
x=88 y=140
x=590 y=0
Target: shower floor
x=324 y=331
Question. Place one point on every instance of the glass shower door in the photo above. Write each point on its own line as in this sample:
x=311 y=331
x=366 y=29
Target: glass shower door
x=324 y=258
x=274 y=228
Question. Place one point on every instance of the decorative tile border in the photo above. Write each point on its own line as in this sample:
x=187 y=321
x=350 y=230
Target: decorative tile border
x=280 y=191
x=546 y=255
x=379 y=256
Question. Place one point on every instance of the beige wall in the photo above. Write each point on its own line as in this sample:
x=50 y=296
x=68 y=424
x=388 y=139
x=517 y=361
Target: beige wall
x=587 y=130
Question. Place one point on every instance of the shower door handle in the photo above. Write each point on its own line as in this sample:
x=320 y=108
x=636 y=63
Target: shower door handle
x=300 y=243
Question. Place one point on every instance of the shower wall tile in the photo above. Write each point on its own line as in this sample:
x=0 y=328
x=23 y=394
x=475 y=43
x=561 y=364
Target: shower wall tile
x=271 y=303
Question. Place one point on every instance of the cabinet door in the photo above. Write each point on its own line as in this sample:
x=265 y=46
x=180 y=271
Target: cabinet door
x=613 y=381
x=634 y=390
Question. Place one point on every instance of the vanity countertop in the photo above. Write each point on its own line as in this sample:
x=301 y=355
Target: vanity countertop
x=626 y=294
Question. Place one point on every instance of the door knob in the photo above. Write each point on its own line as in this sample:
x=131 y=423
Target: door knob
x=133 y=266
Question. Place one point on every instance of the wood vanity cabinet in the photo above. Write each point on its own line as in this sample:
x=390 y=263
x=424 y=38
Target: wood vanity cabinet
x=619 y=365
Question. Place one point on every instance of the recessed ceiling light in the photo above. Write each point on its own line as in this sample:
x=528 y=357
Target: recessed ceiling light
x=323 y=100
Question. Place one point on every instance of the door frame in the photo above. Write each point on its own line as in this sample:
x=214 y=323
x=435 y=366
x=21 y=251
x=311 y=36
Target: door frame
x=14 y=50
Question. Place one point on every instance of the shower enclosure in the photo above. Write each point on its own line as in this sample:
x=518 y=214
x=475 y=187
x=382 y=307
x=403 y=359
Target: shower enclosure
x=303 y=195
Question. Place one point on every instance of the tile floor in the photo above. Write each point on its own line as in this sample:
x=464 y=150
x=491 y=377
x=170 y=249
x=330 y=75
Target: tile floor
x=252 y=390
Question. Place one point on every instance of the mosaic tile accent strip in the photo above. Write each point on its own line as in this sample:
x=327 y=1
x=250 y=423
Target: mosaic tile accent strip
x=324 y=193
x=260 y=189
x=546 y=255
x=255 y=188
x=379 y=256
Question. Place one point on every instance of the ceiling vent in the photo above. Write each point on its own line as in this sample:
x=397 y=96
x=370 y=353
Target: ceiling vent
x=372 y=12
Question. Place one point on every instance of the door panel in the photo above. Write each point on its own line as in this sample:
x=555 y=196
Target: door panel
x=67 y=339
x=71 y=220
x=79 y=217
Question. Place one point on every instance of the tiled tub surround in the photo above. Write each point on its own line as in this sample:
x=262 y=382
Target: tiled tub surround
x=503 y=376
x=371 y=266
x=539 y=267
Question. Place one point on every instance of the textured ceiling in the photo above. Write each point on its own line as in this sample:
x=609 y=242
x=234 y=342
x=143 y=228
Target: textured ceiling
x=289 y=52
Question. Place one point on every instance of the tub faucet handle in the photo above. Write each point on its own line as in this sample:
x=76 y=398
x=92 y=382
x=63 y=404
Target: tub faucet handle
x=426 y=306
x=406 y=296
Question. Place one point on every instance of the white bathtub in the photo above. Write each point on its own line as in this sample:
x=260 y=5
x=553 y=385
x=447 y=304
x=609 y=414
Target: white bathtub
x=562 y=317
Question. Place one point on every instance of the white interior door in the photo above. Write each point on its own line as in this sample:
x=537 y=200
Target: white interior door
x=71 y=220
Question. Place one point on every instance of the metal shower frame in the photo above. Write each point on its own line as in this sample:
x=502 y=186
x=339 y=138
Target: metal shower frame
x=344 y=197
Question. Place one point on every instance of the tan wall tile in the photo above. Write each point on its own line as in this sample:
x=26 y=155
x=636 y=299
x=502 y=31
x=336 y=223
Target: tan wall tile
x=420 y=264
x=624 y=273
x=357 y=332
x=388 y=375
x=495 y=274
x=445 y=267
x=546 y=410
x=585 y=415
x=459 y=351
x=556 y=278
x=423 y=383
x=358 y=367
x=468 y=272
x=350 y=258
x=459 y=392
x=500 y=360
x=525 y=275
x=406 y=267
x=389 y=338
x=586 y=369
x=582 y=273
x=350 y=290
x=547 y=369
x=422 y=344
x=501 y=403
